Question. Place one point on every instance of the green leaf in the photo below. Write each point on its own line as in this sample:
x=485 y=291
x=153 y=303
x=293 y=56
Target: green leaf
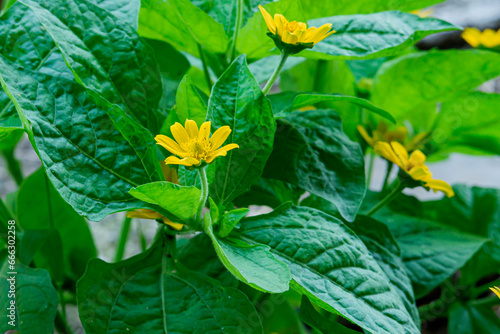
x=269 y=192
x=384 y=249
x=229 y=221
x=181 y=24
x=263 y=68
x=129 y=79
x=468 y=124
x=314 y=9
x=331 y=266
x=286 y=102
x=406 y=87
x=93 y=154
x=319 y=322
x=312 y=152
x=190 y=105
x=431 y=252
x=238 y=102
x=156 y=300
x=199 y=255
x=357 y=36
x=125 y=10
x=35 y=300
x=180 y=201
x=39 y=206
x=254 y=265
x=466 y=319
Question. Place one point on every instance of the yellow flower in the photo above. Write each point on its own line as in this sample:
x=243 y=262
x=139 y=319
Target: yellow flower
x=195 y=146
x=400 y=134
x=170 y=175
x=413 y=165
x=286 y=33
x=496 y=290
x=488 y=38
x=423 y=13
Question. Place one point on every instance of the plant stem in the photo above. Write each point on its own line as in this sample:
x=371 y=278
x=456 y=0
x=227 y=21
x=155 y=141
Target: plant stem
x=370 y=169
x=239 y=15
x=386 y=200
x=485 y=287
x=120 y=250
x=205 y=67
x=387 y=175
x=61 y=324
x=275 y=74
x=13 y=166
x=202 y=172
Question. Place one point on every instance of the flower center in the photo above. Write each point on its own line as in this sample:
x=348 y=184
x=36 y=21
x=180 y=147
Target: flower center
x=294 y=26
x=199 y=149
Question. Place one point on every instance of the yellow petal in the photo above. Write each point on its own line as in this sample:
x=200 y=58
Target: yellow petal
x=417 y=158
x=220 y=136
x=191 y=129
x=309 y=35
x=221 y=152
x=471 y=36
x=319 y=35
x=401 y=153
x=280 y=22
x=496 y=291
x=180 y=134
x=385 y=150
x=189 y=161
x=269 y=20
x=170 y=173
x=204 y=131
x=365 y=135
x=175 y=226
x=420 y=173
x=143 y=214
x=289 y=38
x=441 y=186
x=170 y=145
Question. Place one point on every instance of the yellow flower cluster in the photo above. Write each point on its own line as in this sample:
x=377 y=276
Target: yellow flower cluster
x=488 y=38
x=400 y=134
x=413 y=165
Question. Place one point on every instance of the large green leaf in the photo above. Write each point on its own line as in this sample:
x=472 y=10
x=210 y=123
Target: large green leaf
x=410 y=85
x=35 y=300
x=269 y=192
x=143 y=296
x=311 y=151
x=39 y=206
x=181 y=24
x=314 y=9
x=331 y=266
x=357 y=36
x=238 y=102
x=380 y=242
x=87 y=36
x=251 y=264
x=126 y=10
x=190 y=105
x=469 y=124
x=431 y=252
x=467 y=319
x=181 y=201
x=289 y=101
x=92 y=153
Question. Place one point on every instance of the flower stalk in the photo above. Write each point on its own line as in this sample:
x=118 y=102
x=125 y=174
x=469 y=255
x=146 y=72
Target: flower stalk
x=274 y=76
x=386 y=200
x=202 y=172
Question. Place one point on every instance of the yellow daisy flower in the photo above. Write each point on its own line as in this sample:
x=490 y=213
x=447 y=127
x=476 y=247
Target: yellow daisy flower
x=170 y=175
x=400 y=134
x=488 y=38
x=496 y=290
x=413 y=165
x=293 y=37
x=193 y=145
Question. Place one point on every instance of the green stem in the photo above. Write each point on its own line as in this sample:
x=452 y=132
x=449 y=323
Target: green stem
x=13 y=166
x=387 y=175
x=274 y=76
x=61 y=324
x=205 y=67
x=202 y=172
x=370 y=169
x=239 y=16
x=120 y=250
x=386 y=200
x=485 y=287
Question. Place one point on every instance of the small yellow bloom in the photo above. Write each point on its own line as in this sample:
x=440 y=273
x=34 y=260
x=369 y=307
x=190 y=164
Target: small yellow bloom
x=170 y=175
x=193 y=145
x=488 y=38
x=423 y=13
x=496 y=290
x=286 y=33
x=400 y=134
x=413 y=165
